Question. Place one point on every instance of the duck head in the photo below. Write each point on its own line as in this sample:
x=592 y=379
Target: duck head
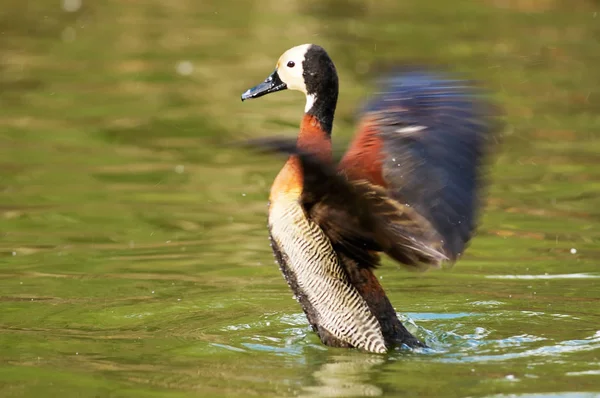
x=306 y=68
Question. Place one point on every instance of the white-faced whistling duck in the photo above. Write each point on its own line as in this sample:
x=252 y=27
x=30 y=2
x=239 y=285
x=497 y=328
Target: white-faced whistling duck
x=408 y=186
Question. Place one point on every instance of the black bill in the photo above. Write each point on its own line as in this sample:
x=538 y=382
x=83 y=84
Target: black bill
x=272 y=84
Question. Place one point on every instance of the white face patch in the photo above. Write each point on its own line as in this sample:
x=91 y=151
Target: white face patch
x=310 y=101
x=289 y=68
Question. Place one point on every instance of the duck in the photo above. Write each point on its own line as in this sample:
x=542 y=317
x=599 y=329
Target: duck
x=409 y=186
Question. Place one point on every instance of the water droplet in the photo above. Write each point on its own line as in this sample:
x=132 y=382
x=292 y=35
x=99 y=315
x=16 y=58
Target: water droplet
x=71 y=5
x=184 y=68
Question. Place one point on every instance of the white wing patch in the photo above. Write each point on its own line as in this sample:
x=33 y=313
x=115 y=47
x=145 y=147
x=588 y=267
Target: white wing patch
x=410 y=129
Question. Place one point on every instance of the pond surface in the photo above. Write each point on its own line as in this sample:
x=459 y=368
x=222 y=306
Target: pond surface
x=134 y=259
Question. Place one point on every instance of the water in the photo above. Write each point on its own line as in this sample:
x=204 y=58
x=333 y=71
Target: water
x=134 y=259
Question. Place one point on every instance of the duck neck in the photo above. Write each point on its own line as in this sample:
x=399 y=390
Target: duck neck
x=317 y=123
x=321 y=105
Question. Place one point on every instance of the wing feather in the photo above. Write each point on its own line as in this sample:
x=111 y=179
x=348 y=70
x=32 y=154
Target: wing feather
x=358 y=217
x=434 y=134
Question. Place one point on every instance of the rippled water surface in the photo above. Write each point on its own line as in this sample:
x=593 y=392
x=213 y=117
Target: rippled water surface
x=134 y=259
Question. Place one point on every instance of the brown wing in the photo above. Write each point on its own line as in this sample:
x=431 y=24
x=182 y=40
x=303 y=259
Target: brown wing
x=424 y=138
x=358 y=217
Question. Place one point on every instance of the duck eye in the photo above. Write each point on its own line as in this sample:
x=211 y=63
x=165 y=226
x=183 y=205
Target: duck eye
x=291 y=64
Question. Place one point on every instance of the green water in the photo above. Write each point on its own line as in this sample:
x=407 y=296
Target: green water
x=134 y=259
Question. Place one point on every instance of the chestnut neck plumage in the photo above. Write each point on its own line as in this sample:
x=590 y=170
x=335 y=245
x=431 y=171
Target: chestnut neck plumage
x=317 y=123
x=314 y=137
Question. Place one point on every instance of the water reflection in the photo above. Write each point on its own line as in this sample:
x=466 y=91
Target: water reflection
x=549 y=351
x=130 y=242
x=345 y=375
x=547 y=276
x=549 y=395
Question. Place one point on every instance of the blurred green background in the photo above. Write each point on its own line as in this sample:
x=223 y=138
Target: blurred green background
x=134 y=259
